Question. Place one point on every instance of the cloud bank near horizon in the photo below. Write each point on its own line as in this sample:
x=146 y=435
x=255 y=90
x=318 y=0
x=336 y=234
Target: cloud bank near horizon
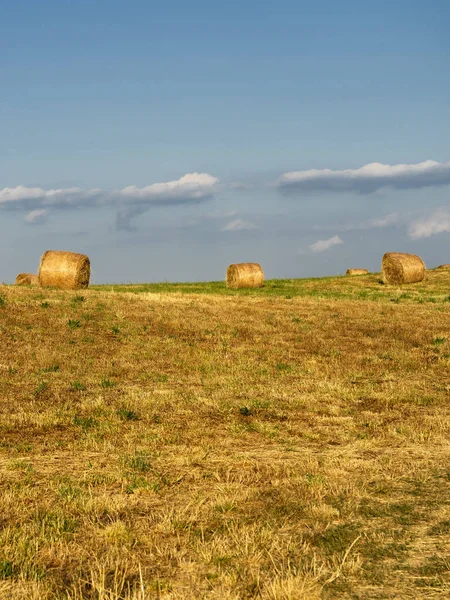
x=367 y=179
x=38 y=204
x=130 y=201
x=418 y=224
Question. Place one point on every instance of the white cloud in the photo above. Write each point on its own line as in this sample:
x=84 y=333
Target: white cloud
x=367 y=179
x=322 y=245
x=192 y=188
x=386 y=221
x=26 y=198
x=437 y=222
x=239 y=225
x=37 y=216
x=189 y=188
x=131 y=201
x=418 y=223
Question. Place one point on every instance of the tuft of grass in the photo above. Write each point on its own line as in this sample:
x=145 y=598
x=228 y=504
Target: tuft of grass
x=7 y=569
x=51 y=369
x=73 y=324
x=77 y=386
x=139 y=462
x=283 y=367
x=126 y=414
x=139 y=483
x=2 y=300
x=336 y=539
x=86 y=423
x=107 y=383
x=40 y=388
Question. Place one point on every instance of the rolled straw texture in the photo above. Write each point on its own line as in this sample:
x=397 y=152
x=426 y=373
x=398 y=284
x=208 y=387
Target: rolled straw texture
x=245 y=275
x=356 y=272
x=398 y=268
x=27 y=279
x=64 y=270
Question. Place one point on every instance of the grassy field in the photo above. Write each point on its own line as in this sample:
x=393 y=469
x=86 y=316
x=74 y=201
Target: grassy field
x=186 y=441
x=365 y=287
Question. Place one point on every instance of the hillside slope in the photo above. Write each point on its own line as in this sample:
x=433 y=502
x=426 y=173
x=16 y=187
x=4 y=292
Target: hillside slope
x=226 y=445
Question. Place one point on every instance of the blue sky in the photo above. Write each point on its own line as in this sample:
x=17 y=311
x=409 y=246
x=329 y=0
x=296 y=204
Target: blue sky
x=158 y=138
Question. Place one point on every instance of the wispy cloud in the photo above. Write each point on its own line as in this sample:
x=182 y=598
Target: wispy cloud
x=367 y=179
x=220 y=214
x=389 y=220
x=437 y=222
x=418 y=223
x=239 y=225
x=130 y=201
x=37 y=216
x=322 y=245
x=192 y=221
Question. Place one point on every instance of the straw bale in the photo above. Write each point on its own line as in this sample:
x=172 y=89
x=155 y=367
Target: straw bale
x=27 y=279
x=64 y=270
x=357 y=272
x=398 y=268
x=446 y=266
x=245 y=275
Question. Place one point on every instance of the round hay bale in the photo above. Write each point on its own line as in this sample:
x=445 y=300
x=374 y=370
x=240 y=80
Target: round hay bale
x=245 y=275
x=64 y=270
x=27 y=279
x=398 y=268
x=357 y=272
x=446 y=266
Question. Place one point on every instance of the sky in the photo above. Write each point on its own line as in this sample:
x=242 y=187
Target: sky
x=168 y=140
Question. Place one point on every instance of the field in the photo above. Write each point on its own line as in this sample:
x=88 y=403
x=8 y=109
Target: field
x=186 y=441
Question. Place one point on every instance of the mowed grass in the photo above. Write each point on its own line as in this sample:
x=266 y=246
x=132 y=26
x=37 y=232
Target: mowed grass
x=226 y=445
x=435 y=288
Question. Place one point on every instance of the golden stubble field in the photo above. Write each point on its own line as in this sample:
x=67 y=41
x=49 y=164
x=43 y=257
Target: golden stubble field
x=224 y=446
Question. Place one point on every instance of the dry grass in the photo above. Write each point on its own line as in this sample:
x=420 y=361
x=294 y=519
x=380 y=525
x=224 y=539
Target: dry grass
x=224 y=446
x=434 y=288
